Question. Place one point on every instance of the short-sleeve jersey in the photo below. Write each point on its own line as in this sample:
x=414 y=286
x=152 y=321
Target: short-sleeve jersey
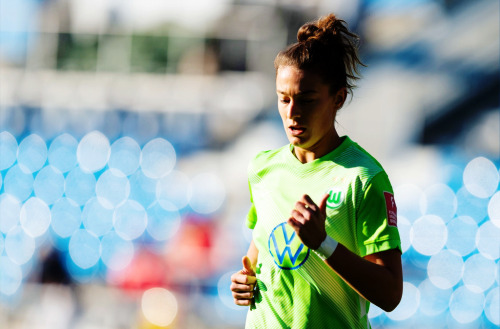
x=295 y=288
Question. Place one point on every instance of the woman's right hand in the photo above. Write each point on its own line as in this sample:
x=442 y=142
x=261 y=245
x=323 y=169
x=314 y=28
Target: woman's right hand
x=243 y=283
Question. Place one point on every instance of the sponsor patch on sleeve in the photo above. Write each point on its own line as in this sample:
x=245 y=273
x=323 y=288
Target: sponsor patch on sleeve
x=392 y=211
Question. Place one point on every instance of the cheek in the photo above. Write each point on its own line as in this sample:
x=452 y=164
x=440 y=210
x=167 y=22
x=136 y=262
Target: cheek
x=282 y=113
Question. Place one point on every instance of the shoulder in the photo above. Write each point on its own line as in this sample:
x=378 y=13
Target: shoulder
x=358 y=161
x=264 y=162
x=264 y=158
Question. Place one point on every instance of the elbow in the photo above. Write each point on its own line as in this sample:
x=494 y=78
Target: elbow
x=392 y=301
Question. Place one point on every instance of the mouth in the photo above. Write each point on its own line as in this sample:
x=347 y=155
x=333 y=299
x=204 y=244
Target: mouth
x=296 y=130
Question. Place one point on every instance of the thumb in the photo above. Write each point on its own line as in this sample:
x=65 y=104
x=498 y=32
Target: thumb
x=247 y=266
x=322 y=204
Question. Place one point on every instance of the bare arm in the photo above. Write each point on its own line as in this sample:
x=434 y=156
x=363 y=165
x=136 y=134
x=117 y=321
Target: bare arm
x=377 y=277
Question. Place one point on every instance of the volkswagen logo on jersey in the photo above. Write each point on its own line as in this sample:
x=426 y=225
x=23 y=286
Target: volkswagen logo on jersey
x=288 y=252
x=335 y=199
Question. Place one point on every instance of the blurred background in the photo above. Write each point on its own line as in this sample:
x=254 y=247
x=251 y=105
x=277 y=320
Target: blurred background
x=126 y=127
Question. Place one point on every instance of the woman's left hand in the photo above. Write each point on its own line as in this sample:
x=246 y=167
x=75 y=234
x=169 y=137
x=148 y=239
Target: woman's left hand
x=308 y=220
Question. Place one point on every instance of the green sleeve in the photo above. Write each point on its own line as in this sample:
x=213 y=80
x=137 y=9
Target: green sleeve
x=252 y=213
x=377 y=218
x=251 y=217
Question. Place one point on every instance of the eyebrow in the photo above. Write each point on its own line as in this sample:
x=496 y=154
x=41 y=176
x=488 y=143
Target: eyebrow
x=302 y=93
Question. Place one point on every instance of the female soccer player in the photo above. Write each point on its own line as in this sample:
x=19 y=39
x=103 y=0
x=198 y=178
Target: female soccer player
x=325 y=239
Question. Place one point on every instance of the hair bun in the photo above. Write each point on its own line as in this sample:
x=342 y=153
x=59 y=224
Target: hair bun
x=326 y=28
x=329 y=45
x=306 y=32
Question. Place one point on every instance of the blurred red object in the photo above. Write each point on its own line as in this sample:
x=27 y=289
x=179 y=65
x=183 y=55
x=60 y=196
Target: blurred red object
x=188 y=254
x=146 y=270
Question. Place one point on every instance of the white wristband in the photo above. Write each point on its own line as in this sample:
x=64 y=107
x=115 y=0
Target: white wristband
x=326 y=248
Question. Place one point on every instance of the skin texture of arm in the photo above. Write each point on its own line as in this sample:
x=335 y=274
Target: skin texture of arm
x=377 y=277
x=243 y=282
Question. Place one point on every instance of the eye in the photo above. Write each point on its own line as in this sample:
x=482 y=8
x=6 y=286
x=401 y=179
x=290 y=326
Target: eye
x=284 y=100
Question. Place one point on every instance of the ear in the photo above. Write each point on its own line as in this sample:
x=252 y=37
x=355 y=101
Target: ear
x=340 y=97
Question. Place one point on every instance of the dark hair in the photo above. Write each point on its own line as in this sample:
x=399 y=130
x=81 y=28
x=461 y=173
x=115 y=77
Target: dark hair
x=328 y=47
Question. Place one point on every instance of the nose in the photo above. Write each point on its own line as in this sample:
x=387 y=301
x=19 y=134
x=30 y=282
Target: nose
x=293 y=110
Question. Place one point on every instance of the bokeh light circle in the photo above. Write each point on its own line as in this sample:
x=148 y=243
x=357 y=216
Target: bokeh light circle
x=159 y=306
x=374 y=311
x=492 y=306
x=445 y=269
x=428 y=234
x=175 y=188
x=404 y=227
x=84 y=249
x=494 y=209
x=32 y=153
x=479 y=273
x=433 y=300
x=163 y=223
x=19 y=246
x=93 y=151
x=158 y=158
x=130 y=220
x=125 y=155
x=11 y=276
x=79 y=186
x=66 y=217
x=208 y=193
x=481 y=177
x=224 y=293
x=113 y=186
x=62 y=152
x=35 y=217
x=471 y=205
x=142 y=188
x=97 y=216
x=462 y=235
x=488 y=241
x=8 y=150
x=18 y=182
x=466 y=305
x=440 y=200
x=409 y=303
x=116 y=253
x=407 y=198
x=49 y=184
x=10 y=208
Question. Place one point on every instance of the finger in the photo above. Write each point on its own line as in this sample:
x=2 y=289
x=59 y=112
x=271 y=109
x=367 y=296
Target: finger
x=294 y=224
x=243 y=278
x=243 y=295
x=247 y=266
x=306 y=199
x=322 y=204
x=243 y=302
x=302 y=208
x=298 y=216
x=237 y=287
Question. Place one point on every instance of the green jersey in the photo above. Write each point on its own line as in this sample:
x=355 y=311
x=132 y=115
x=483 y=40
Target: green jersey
x=295 y=288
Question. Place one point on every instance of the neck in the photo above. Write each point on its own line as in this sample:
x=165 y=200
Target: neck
x=321 y=148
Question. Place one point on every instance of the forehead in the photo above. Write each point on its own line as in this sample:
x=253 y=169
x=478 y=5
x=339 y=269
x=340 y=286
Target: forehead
x=292 y=79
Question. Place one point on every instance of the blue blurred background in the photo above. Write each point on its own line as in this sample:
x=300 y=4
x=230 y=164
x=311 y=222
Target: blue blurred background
x=126 y=127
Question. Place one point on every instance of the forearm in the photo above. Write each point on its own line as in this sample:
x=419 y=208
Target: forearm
x=378 y=278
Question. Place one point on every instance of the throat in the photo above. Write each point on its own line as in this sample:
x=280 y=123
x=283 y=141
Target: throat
x=320 y=149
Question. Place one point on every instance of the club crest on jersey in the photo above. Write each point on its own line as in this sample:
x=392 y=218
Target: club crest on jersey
x=335 y=199
x=286 y=248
